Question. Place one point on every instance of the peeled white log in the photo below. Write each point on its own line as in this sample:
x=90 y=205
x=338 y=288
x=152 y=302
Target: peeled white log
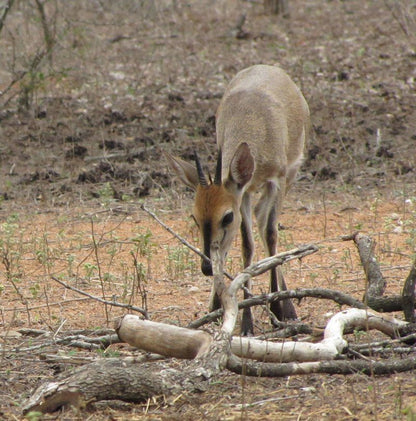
x=173 y=341
x=282 y=352
x=164 y=339
x=329 y=348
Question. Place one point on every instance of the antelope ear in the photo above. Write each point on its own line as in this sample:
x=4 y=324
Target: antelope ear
x=185 y=171
x=242 y=166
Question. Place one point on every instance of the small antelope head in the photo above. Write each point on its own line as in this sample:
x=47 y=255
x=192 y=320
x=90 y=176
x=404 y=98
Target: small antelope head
x=217 y=204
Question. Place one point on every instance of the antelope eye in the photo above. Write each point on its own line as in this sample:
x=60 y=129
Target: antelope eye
x=227 y=219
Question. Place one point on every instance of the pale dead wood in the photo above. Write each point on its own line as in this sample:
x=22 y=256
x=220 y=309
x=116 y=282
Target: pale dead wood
x=185 y=343
x=127 y=380
x=131 y=382
x=163 y=339
x=376 y=284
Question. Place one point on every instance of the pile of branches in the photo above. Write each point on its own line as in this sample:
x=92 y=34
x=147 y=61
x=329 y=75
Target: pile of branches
x=204 y=355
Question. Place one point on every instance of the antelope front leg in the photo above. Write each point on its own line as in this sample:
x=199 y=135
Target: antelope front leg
x=267 y=211
x=247 y=328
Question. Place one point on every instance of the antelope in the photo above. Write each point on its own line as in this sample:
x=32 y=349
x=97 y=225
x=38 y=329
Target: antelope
x=262 y=126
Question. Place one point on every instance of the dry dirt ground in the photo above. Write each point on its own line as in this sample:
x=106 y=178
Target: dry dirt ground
x=82 y=131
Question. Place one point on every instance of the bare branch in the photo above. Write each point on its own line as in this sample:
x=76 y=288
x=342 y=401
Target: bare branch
x=327 y=294
x=376 y=284
x=101 y=300
x=239 y=366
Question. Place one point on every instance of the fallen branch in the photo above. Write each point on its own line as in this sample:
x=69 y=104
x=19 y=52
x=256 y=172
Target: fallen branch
x=101 y=300
x=78 y=341
x=376 y=283
x=179 y=342
x=256 y=369
x=328 y=294
x=127 y=380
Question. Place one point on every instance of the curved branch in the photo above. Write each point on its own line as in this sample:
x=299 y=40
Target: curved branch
x=327 y=294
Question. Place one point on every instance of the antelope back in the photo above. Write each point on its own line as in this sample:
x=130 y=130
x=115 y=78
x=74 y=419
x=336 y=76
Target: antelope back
x=265 y=109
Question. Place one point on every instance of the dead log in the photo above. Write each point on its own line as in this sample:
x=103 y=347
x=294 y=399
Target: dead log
x=147 y=336
x=376 y=283
x=257 y=369
x=128 y=380
x=163 y=339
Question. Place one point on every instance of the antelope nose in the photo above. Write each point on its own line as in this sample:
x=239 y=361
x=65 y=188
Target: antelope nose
x=206 y=268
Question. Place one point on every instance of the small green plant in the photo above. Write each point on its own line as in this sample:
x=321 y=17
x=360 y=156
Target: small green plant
x=70 y=259
x=11 y=243
x=106 y=193
x=358 y=335
x=410 y=413
x=144 y=244
x=34 y=290
x=108 y=277
x=34 y=416
x=180 y=261
x=108 y=353
x=313 y=276
x=90 y=269
x=139 y=280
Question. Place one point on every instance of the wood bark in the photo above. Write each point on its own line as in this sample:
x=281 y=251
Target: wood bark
x=376 y=284
x=147 y=336
x=258 y=369
x=159 y=338
x=127 y=380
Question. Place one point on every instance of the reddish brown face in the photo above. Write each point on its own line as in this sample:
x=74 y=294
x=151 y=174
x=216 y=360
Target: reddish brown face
x=216 y=213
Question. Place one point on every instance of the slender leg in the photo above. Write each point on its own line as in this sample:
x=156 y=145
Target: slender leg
x=267 y=211
x=248 y=249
